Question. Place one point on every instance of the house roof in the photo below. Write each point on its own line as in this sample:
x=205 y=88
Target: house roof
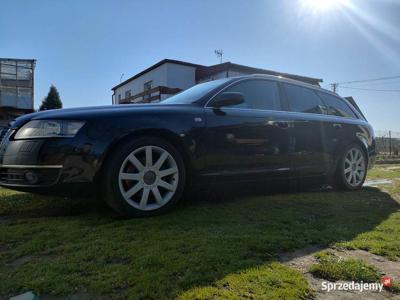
x=6 y=59
x=205 y=71
x=18 y=59
x=164 y=61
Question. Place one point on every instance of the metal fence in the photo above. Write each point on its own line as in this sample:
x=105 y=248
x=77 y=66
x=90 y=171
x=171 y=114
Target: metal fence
x=388 y=143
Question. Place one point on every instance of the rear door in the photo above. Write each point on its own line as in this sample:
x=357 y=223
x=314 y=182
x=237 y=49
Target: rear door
x=251 y=138
x=307 y=149
x=340 y=127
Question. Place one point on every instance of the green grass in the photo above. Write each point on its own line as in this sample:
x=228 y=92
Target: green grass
x=384 y=171
x=206 y=249
x=394 y=288
x=333 y=268
x=383 y=240
x=273 y=281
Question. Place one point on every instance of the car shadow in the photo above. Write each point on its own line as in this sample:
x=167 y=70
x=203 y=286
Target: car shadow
x=230 y=190
x=16 y=205
x=205 y=238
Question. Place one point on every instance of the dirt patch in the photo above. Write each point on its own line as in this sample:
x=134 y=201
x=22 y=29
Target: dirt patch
x=377 y=182
x=77 y=296
x=387 y=267
x=21 y=261
x=393 y=168
x=303 y=259
x=28 y=258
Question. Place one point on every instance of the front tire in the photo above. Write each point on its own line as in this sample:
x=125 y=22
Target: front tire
x=352 y=169
x=144 y=177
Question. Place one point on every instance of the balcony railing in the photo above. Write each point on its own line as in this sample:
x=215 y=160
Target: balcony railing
x=152 y=95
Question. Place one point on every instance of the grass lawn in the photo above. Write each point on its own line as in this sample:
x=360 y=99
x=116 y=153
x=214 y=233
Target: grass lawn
x=334 y=268
x=204 y=249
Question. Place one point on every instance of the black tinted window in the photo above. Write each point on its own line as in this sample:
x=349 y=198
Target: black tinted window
x=258 y=94
x=337 y=106
x=302 y=99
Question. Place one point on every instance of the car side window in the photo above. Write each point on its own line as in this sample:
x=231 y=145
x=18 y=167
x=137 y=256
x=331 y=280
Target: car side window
x=302 y=99
x=337 y=106
x=257 y=94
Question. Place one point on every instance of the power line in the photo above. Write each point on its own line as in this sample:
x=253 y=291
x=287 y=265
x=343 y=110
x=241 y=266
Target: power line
x=380 y=84
x=366 y=89
x=369 y=80
x=335 y=85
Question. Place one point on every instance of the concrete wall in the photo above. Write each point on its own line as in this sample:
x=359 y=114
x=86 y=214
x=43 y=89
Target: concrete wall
x=236 y=73
x=169 y=75
x=224 y=74
x=158 y=76
x=214 y=77
x=180 y=76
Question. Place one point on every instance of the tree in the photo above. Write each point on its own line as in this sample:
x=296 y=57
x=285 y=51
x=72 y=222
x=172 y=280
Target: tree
x=52 y=100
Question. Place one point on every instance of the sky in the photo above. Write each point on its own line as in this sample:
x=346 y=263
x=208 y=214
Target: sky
x=83 y=47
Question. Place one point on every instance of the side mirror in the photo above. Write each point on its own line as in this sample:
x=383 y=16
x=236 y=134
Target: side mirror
x=228 y=99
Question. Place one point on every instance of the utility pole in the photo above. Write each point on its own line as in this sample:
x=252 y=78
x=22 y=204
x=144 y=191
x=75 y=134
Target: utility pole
x=219 y=53
x=334 y=87
x=390 y=143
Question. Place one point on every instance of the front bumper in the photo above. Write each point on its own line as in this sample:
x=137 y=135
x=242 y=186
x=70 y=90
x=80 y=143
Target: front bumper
x=46 y=163
x=29 y=175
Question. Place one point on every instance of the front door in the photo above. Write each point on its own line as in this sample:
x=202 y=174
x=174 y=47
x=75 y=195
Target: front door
x=252 y=138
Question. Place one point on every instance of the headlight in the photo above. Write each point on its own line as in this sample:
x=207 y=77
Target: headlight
x=49 y=128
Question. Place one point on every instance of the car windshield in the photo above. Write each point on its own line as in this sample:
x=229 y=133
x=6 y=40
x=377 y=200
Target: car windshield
x=195 y=93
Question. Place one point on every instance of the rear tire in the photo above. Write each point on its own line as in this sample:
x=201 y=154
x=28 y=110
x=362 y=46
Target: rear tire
x=143 y=177
x=351 y=170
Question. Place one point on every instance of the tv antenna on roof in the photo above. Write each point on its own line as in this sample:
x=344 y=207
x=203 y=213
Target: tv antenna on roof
x=219 y=53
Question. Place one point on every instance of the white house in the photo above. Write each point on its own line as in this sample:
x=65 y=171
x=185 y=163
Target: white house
x=169 y=77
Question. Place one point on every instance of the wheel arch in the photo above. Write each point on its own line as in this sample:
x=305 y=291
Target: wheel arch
x=359 y=142
x=163 y=134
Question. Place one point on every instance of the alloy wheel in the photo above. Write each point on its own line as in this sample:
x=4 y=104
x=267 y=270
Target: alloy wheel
x=354 y=167
x=148 y=178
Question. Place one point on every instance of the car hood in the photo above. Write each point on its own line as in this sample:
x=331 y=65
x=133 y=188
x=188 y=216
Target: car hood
x=83 y=113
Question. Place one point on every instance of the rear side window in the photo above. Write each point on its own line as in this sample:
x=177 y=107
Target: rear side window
x=301 y=99
x=337 y=106
x=258 y=94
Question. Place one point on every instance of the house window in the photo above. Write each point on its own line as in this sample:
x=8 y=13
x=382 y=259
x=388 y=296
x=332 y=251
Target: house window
x=146 y=87
x=119 y=98
x=127 y=93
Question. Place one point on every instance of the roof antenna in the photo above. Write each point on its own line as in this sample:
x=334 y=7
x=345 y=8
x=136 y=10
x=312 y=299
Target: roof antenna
x=120 y=79
x=219 y=53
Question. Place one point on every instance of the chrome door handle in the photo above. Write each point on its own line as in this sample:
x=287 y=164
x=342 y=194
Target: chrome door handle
x=337 y=125
x=282 y=124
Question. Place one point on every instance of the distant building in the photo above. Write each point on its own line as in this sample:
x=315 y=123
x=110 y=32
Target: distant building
x=169 y=77
x=16 y=88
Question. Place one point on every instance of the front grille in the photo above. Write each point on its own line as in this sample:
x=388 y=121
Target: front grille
x=12 y=176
